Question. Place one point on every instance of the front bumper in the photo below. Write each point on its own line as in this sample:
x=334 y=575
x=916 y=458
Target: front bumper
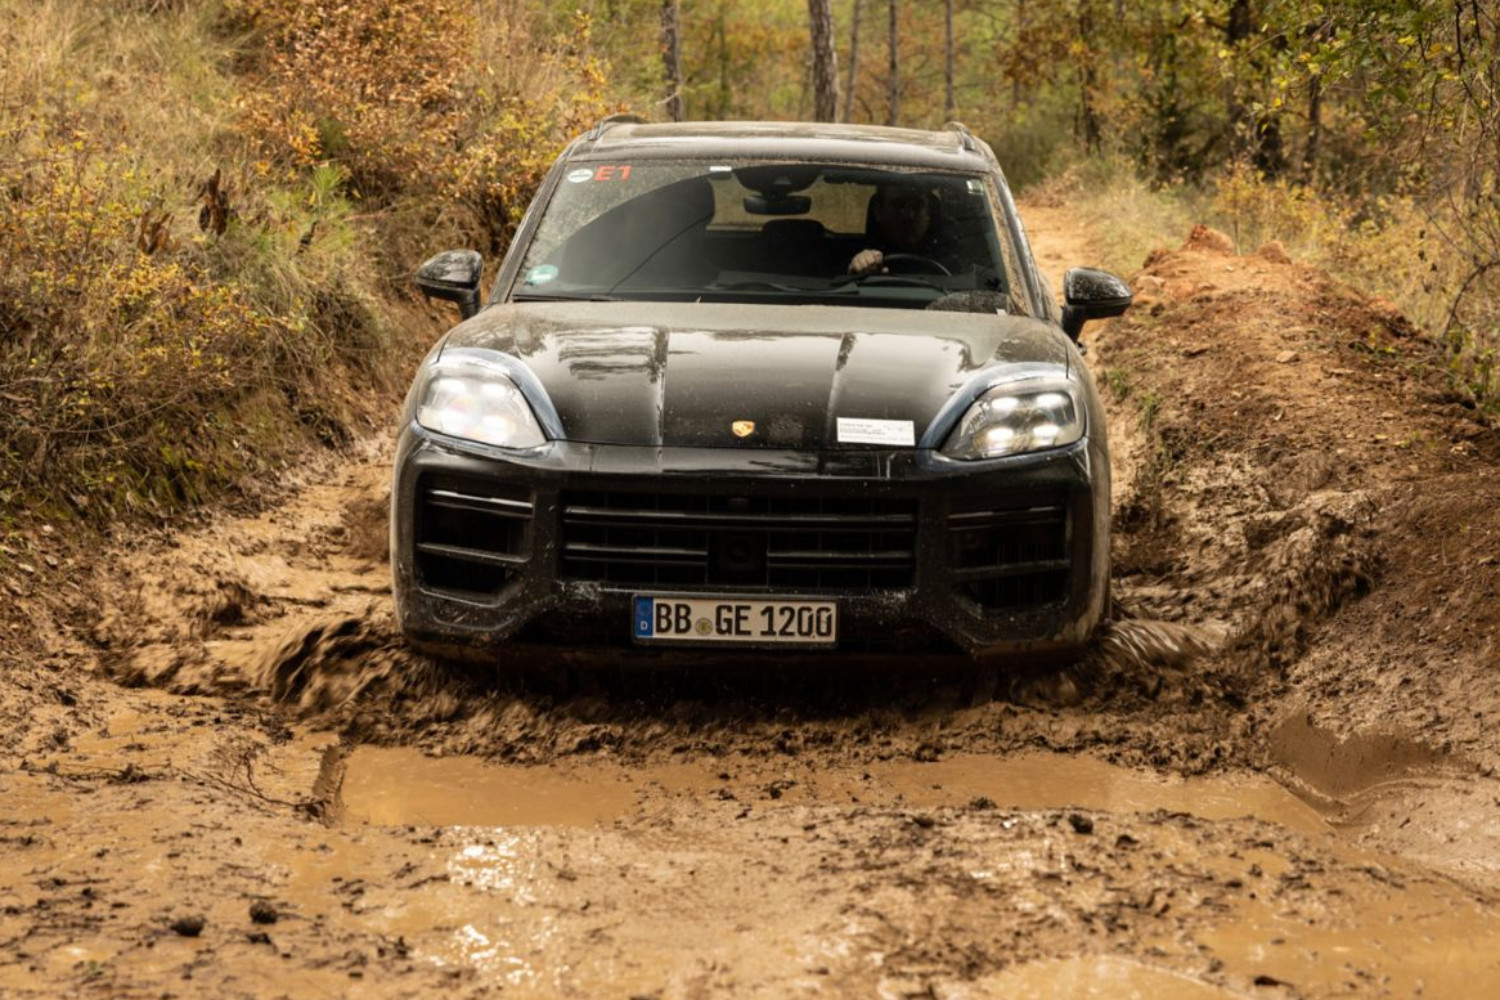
x=1001 y=557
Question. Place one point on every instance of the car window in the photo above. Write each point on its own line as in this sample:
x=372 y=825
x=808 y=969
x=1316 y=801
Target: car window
x=756 y=231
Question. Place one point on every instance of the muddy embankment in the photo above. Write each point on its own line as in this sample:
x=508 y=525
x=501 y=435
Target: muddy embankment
x=1273 y=776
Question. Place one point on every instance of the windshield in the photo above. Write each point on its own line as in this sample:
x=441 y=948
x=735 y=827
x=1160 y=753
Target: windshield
x=785 y=232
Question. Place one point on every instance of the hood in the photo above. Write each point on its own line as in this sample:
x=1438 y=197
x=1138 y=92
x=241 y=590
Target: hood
x=807 y=377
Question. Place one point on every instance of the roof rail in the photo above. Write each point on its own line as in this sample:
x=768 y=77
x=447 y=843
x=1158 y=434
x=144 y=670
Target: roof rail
x=963 y=131
x=604 y=124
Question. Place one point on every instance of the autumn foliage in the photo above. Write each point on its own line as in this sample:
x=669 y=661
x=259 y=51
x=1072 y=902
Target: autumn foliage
x=423 y=99
x=374 y=86
x=199 y=283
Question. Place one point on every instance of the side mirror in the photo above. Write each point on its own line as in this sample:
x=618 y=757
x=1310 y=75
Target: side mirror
x=1090 y=294
x=454 y=277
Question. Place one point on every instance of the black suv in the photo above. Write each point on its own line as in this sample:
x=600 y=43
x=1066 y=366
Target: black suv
x=759 y=386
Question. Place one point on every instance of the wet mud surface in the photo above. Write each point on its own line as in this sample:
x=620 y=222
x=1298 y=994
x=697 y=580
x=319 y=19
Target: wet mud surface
x=1274 y=775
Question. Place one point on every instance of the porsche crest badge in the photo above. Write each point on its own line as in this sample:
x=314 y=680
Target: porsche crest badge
x=743 y=428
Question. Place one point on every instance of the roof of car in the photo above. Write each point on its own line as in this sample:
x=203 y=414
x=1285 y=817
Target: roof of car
x=951 y=149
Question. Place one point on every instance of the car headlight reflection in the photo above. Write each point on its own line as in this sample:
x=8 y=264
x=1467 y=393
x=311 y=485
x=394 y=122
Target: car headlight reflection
x=471 y=400
x=1027 y=415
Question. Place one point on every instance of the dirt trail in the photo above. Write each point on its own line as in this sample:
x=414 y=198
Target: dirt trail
x=1273 y=777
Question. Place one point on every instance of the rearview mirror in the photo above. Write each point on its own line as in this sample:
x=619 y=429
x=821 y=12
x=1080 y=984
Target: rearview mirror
x=778 y=204
x=1090 y=294
x=454 y=277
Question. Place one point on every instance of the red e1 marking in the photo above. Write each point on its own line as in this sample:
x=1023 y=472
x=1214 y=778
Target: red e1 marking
x=620 y=173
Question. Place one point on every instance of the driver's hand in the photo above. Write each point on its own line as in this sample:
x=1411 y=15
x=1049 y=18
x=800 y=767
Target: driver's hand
x=867 y=262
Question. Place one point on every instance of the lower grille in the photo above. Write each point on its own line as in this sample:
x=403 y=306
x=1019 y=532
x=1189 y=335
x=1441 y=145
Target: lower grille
x=472 y=534
x=793 y=544
x=1011 y=557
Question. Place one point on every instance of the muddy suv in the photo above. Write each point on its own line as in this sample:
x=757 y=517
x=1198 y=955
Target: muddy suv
x=759 y=386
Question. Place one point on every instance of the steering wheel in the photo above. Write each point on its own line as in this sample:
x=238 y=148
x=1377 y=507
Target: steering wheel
x=915 y=263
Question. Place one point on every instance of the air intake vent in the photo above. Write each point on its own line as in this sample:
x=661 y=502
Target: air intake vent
x=1011 y=557
x=472 y=534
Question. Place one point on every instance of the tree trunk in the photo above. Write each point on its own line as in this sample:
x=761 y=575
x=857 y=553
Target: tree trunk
x=950 y=105
x=722 y=36
x=1318 y=35
x=1089 y=128
x=1022 y=23
x=1236 y=32
x=853 y=62
x=1314 y=129
x=825 y=64
x=893 y=84
x=671 y=57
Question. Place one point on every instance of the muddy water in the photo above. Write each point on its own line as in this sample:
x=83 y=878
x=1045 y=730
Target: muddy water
x=1295 y=911
x=1430 y=945
x=401 y=786
x=1393 y=934
x=1385 y=789
x=1102 y=978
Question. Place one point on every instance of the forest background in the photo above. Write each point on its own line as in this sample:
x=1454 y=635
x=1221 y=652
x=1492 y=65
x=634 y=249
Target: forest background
x=210 y=209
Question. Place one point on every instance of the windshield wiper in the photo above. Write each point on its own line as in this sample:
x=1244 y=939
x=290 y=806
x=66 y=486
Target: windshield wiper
x=565 y=297
x=888 y=280
x=758 y=285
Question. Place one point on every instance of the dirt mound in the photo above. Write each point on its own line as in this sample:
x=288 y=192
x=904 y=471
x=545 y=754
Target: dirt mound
x=1304 y=447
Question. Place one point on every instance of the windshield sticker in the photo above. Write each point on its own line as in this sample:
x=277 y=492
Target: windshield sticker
x=541 y=274
x=580 y=175
x=976 y=186
x=613 y=173
x=894 y=433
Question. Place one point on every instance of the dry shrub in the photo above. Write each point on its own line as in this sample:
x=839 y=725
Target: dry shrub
x=161 y=339
x=110 y=355
x=425 y=103
x=372 y=85
x=152 y=350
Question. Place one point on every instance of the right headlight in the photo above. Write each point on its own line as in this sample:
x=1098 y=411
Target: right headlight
x=467 y=397
x=1027 y=414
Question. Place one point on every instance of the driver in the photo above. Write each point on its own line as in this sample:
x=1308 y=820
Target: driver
x=900 y=222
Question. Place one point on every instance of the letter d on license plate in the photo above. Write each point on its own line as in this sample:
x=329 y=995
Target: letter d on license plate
x=729 y=619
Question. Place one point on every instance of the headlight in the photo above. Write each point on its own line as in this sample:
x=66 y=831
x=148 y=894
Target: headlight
x=1027 y=414
x=469 y=398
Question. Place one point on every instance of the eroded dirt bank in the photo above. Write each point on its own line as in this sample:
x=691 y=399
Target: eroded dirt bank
x=1273 y=777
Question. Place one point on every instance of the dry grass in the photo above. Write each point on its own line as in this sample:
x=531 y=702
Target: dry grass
x=154 y=348
x=1392 y=247
x=163 y=337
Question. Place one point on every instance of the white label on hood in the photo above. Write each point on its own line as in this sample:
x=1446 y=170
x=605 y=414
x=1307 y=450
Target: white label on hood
x=895 y=433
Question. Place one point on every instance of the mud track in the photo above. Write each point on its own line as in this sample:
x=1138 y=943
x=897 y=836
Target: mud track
x=1273 y=776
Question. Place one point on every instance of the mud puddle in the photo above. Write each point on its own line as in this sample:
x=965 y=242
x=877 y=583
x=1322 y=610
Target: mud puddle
x=401 y=787
x=1102 y=978
x=396 y=786
x=1389 y=791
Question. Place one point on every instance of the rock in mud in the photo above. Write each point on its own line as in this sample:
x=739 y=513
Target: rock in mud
x=262 y=912
x=1080 y=823
x=189 y=926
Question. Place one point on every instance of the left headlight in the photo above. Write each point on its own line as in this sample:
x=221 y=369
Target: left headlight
x=1024 y=415
x=468 y=398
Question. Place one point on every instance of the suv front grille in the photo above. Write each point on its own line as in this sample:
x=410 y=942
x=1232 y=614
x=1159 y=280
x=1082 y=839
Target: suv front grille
x=472 y=534
x=794 y=544
x=1011 y=557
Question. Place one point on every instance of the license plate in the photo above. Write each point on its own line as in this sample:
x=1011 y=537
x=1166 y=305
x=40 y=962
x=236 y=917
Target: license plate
x=728 y=619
